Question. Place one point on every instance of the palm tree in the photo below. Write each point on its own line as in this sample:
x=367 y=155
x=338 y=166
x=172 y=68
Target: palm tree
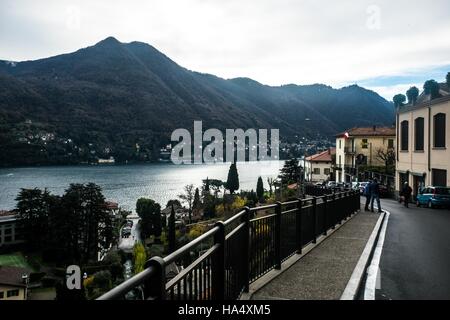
x=412 y=94
x=431 y=87
x=399 y=100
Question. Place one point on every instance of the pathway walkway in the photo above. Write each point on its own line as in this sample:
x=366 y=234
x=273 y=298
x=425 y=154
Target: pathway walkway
x=324 y=272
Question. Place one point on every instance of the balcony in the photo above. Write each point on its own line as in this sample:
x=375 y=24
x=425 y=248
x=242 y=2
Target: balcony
x=350 y=150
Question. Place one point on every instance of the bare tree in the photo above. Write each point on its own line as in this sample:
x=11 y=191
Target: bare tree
x=387 y=156
x=188 y=197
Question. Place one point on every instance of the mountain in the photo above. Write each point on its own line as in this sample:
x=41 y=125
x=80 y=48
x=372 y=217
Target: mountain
x=125 y=99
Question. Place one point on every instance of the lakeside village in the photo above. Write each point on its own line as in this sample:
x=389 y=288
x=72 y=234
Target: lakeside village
x=46 y=233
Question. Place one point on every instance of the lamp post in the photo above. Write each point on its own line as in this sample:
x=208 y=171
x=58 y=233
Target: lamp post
x=26 y=281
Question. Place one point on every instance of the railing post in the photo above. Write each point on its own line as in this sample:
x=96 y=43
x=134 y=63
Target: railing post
x=333 y=198
x=325 y=215
x=357 y=201
x=298 y=227
x=246 y=244
x=155 y=287
x=314 y=208
x=218 y=264
x=351 y=201
x=278 y=236
x=348 y=205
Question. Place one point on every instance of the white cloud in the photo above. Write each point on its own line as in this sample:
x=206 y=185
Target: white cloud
x=273 y=41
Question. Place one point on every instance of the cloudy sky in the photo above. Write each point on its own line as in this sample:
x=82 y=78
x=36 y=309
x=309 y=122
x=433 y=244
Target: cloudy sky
x=383 y=45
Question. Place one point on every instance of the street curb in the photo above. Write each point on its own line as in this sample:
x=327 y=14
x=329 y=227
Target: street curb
x=374 y=267
x=353 y=285
x=271 y=275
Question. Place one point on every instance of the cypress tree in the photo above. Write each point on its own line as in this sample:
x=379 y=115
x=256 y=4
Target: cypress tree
x=197 y=202
x=260 y=189
x=233 y=179
x=171 y=236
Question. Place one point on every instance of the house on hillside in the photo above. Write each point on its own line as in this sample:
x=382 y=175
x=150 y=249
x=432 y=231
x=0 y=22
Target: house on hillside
x=14 y=283
x=10 y=231
x=319 y=167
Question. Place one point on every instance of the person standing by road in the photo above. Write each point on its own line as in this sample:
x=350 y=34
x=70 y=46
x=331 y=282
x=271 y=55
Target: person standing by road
x=367 y=195
x=406 y=193
x=375 y=195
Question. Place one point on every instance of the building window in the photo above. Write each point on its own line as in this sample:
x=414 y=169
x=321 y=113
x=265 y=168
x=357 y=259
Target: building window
x=326 y=171
x=340 y=162
x=340 y=144
x=364 y=144
x=439 y=130
x=391 y=143
x=316 y=171
x=2 y=295
x=12 y=293
x=439 y=177
x=419 y=134
x=404 y=128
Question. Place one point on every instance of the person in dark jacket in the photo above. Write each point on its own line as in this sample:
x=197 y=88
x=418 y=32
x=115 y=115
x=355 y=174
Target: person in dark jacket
x=375 y=195
x=406 y=193
x=367 y=195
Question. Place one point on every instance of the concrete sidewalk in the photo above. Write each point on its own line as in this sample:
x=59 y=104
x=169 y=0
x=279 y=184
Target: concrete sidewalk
x=324 y=272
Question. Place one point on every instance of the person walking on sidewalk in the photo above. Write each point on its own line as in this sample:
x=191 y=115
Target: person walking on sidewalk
x=375 y=194
x=406 y=193
x=367 y=195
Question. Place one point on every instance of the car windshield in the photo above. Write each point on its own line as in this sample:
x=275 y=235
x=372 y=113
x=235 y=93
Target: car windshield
x=443 y=191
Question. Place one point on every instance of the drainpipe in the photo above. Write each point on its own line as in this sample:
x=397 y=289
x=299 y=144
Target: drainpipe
x=397 y=134
x=429 y=142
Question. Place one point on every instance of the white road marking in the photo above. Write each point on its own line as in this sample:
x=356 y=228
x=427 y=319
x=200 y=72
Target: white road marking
x=373 y=280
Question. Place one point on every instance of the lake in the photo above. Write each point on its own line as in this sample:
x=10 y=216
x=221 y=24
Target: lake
x=126 y=183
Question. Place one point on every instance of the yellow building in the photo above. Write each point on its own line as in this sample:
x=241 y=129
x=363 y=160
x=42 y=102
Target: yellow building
x=13 y=283
x=361 y=147
x=423 y=158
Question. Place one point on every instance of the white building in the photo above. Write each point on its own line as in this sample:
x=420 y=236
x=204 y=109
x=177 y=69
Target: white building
x=319 y=167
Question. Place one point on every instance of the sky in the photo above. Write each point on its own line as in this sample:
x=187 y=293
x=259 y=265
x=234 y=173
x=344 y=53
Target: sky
x=383 y=45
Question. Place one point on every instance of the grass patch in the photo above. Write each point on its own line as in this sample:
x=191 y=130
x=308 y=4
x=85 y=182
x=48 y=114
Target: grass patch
x=14 y=260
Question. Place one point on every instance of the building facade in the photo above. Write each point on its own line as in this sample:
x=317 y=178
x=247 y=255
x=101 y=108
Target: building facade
x=361 y=147
x=319 y=167
x=423 y=135
x=13 y=283
x=10 y=233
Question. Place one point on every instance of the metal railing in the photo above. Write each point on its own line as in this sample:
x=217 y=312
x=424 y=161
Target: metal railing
x=224 y=261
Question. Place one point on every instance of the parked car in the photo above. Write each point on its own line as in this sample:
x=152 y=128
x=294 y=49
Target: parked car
x=434 y=197
x=331 y=184
x=384 y=191
x=362 y=186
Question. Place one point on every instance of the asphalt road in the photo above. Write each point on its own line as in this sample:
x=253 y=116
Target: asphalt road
x=415 y=261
